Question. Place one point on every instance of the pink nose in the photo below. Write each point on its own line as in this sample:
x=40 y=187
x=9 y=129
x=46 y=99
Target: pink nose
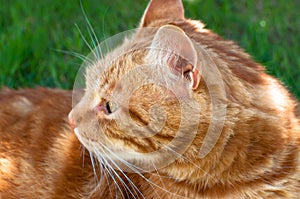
x=71 y=120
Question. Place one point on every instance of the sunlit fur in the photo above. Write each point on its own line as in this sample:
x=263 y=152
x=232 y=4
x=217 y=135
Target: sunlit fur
x=256 y=156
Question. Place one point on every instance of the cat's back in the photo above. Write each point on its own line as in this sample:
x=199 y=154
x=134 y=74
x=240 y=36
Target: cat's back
x=17 y=104
x=39 y=154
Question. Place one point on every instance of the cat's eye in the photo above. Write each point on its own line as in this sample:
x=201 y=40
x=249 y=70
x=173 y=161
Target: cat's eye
x=111 y=107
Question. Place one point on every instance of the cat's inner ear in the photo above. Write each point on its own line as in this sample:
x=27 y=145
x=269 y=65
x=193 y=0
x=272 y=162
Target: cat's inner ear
x=162 y=9
x=172 y=47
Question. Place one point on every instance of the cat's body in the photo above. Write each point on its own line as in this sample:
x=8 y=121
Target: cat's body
x=37 y=145
x=257 y=154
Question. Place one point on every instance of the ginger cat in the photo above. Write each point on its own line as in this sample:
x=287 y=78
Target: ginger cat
x=176 y=111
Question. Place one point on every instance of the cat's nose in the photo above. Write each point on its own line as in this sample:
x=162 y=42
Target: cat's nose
x=71 y=120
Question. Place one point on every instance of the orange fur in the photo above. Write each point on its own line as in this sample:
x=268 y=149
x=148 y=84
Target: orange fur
x=256 y=156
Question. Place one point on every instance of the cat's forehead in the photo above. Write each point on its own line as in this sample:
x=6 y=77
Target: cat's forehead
x=104 y=73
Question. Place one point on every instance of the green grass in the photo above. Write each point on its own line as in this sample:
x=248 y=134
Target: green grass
x=31 y=32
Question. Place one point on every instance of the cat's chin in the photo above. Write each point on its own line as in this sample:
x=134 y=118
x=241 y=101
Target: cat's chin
x=79 y=136
x=88 y=143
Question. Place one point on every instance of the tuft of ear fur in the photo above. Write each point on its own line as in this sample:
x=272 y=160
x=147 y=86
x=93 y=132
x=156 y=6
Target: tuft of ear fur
x=172 y=47
x=162 y=9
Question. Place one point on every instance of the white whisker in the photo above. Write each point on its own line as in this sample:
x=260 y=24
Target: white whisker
x=90 y=28
x=77 y=55
x=111 y=174
x=93 y=165
x=130 y=182
x=103 y=22
x=85 y=41
x=136 y=170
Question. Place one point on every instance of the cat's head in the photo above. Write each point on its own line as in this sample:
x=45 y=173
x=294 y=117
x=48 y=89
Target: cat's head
x=142 y=102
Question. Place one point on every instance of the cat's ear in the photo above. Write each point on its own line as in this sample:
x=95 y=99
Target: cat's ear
x=172 y=47
x=162 y=9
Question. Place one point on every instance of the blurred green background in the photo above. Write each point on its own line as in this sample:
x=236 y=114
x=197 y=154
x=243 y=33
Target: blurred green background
x=32 y=33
